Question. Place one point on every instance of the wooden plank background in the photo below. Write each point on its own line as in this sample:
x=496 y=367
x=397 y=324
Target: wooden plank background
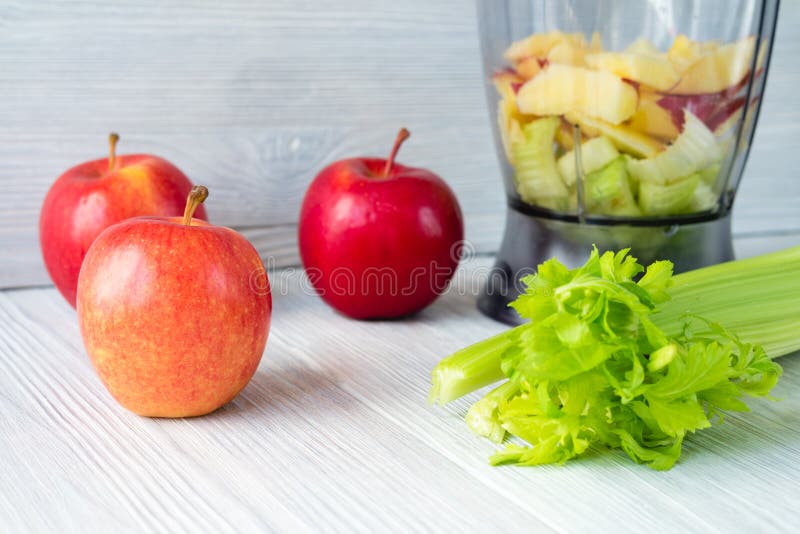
x=253 y=97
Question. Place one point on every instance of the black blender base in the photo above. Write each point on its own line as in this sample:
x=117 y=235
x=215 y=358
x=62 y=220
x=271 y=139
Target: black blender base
x=529 y=240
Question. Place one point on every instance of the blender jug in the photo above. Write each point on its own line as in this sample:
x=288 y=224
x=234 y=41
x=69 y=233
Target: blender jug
x=620 y=123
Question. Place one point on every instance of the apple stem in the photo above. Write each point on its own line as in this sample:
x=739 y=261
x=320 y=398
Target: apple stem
x=112 y=151
x=402 y=135
x=196 y=197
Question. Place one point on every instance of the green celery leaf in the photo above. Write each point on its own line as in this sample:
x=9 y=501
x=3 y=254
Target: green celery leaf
x=657 y=279
x=625 y=373
x=545 y=357
x=659 y=458
x=571 y=331
x=723 y=396
x=641 y=293
x=553 y=272
x=619 y=267
x=654 y=338
x=703 y=366
x=677 y=417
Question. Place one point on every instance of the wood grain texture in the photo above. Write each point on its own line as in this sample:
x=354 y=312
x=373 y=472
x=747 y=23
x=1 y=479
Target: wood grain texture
x=252 y=98
x=334 y=434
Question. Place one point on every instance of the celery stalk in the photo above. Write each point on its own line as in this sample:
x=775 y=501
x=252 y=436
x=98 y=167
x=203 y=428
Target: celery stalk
x=757 y=298
x=482 y=417
x=468 y=369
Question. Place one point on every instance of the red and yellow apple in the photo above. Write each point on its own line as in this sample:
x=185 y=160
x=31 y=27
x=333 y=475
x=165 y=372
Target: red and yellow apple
x=174 y=312
x=92 y=196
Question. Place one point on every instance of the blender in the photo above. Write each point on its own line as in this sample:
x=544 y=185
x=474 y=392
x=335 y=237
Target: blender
x=619 y=124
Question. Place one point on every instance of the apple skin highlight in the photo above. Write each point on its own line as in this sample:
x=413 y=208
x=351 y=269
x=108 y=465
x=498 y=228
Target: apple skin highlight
x=174 y=318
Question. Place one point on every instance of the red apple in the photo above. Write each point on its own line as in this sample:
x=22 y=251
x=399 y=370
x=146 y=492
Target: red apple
x=92 y=196
x=174 y=313
x=379 y=239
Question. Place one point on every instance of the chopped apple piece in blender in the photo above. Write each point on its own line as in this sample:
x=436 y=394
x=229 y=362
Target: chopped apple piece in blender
x=528 y=68
x=718 y=70
x=539 y=44
x=652 y=119
x=684 y=52
x=626 y=139
x=561 y=89
x=567 y=53
x=505 y=81
x=651 y=71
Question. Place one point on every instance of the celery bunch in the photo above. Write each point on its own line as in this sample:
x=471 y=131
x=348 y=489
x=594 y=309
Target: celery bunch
x=637 y=365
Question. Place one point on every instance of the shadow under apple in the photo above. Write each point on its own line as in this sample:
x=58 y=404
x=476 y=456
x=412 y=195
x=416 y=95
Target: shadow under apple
x=290 y=390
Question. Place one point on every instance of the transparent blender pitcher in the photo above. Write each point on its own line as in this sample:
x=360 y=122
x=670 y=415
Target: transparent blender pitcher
x=620 y=123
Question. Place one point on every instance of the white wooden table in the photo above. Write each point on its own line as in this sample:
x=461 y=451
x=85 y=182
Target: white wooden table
x=334 y=434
